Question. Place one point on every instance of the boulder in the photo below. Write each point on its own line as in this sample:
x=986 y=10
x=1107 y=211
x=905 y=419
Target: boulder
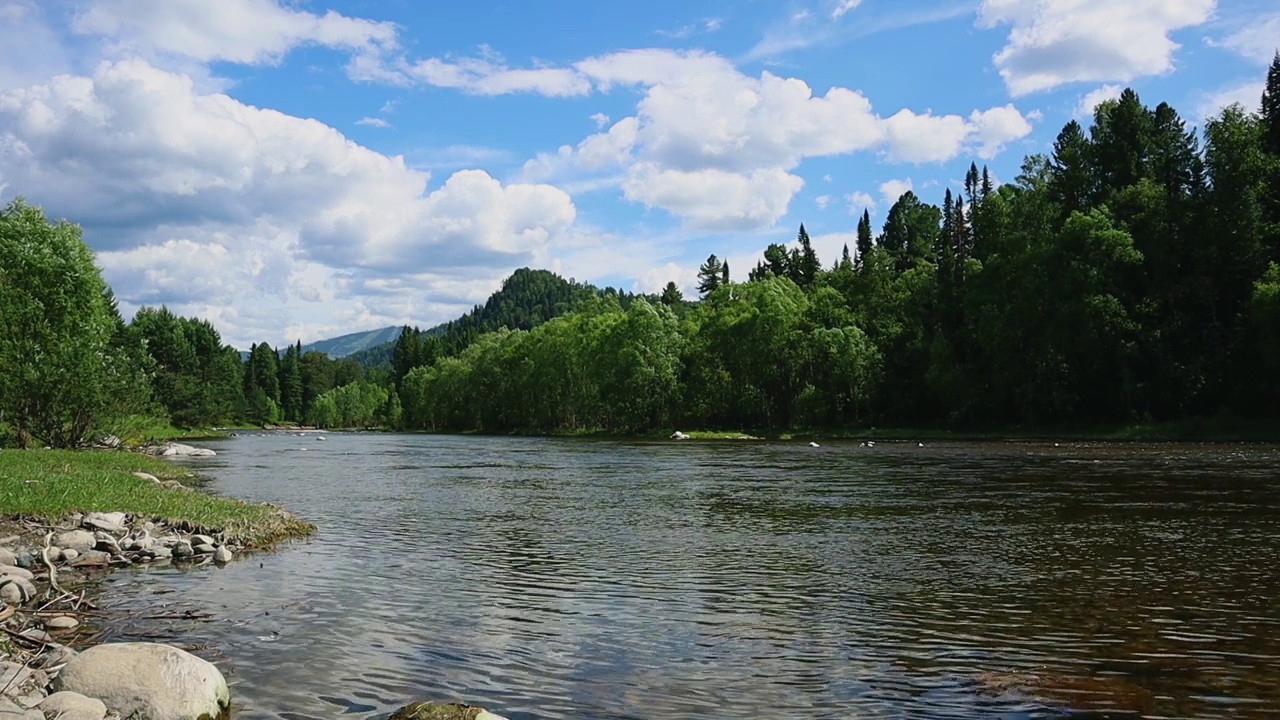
x=114 y=523
x=16 y=590
x=23 y=573
x=8 y=557
x=179 y=450
x=70 y=554
x=78 y=540
x=443 y=711
x=222 y=555
x=72 y=706
x=92 y=557
x=202 y=540
x=183 y=550
x=147 y=681
x=161 y=553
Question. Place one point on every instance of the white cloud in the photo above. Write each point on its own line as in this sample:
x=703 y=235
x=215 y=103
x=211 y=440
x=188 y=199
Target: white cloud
x=373 y=122
x=859 y=201
x=712 y=199
x=655 y=279
x=843 y=7
x=700 y=118
x=1055 y=42
x=202 y=200
x=1092 y=99
x=891 y=190
x=485 y=76
x=1258 y=41
x=712 y=24
x=600 y=119
x=822 y=201
x=239 y=31
x=1248 y=95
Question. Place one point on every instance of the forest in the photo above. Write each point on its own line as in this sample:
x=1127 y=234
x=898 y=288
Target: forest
x=1130 y=275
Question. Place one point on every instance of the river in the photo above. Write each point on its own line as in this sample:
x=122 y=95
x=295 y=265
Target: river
x=550 y=578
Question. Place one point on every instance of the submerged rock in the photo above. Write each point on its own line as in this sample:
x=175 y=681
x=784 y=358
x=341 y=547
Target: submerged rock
x=443 y=711
x=222 y=555
x=148 y=681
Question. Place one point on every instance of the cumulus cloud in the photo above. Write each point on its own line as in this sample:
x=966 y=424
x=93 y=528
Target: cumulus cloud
x=822 y=201
x=859 y=201
x=1055 y=42
x=1247 y=95
x=1257 y=41
x=1092 y=99
x=373 y=122
x=240 y=31
x=211 y=201
x=701 y=119
x=891 y=190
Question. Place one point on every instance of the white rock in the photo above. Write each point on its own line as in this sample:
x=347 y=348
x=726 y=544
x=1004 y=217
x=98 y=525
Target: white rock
x=147 y=681
x=107 y=522
x=677 y=435
x=79 y=540
x=23 y=573
x=16 y=590
x=814 y=445
x=202 y=540
x=147 y=476
x=8 y=557
x=69 y=554
x=72 y=706
x=10 y=710
x=222 y=555
x=62 y=622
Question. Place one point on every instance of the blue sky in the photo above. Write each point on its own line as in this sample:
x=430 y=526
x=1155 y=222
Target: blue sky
x=308 y=168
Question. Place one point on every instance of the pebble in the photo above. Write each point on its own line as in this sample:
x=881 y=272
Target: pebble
x=39 y=636
x=70 y=554
x=62 y=622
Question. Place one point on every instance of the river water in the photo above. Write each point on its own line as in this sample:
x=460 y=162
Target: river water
x=602 y=579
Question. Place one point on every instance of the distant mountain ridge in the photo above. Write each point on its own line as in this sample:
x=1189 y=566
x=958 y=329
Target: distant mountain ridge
x=345 y=345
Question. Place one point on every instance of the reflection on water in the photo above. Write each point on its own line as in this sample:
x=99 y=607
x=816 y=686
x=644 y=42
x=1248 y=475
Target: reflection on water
x=584 y=579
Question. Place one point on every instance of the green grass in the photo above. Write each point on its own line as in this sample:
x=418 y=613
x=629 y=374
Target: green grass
x=50 y=484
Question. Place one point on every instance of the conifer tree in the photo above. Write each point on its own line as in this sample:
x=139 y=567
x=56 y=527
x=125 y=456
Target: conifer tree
x=865 y=239
x=709 y=275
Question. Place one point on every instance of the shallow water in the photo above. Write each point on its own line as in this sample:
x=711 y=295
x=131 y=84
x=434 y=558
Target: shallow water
x=600 y=579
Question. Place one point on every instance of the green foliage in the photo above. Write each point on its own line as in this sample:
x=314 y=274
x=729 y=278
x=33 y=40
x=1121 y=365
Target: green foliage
x=355 y=405
x=66 y=365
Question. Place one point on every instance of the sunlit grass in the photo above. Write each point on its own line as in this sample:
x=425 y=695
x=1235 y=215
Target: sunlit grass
x=51 y=484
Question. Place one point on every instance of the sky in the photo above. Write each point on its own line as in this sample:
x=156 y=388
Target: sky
x=300 y=169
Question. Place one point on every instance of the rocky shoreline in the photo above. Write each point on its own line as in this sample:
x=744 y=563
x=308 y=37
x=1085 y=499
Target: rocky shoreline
x=46 y=571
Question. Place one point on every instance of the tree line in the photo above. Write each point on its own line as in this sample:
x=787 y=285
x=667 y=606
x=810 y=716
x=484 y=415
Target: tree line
x=1129 y=275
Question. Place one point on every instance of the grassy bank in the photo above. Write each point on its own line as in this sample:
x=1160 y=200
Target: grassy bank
x=51 y=484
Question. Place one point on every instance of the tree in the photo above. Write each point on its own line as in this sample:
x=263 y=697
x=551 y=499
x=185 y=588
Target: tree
x=671 y=295
x=62 y=376
x=807 y=268
x=291 y=384
x=724 y=273
x=865 y=240
x=1271 y=108
x=709 y=275
x=910 y=231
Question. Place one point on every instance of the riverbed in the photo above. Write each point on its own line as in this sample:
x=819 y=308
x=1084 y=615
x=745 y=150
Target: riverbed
x=546 y=578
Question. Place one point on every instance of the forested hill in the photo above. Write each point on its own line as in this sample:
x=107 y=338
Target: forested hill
x=345 y=345
x=527 y=299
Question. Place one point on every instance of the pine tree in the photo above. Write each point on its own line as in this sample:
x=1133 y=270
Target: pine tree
x=808 y=266
x=846 y=262
x=671 y=295
x=972 y=185
x=291 y=384
x=1271 y=108
x=709 y=275
x=865 y=239
x=724 y=273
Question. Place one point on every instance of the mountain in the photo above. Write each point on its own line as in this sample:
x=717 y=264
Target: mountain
x=345 y=345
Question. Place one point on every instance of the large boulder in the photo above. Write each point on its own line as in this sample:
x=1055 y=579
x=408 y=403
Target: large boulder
x=114 y=522
x=443 y=711
x=78 y=540
x=179 y=450
x=147 y=681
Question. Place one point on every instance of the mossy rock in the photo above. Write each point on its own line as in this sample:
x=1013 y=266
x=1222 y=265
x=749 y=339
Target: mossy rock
x=440 y=711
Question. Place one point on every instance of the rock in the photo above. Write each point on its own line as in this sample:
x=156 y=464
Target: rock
x=92 y=557
x=146 y=680
x=203 y=540
x=13 y=675
x=144 y=543
x=161 y=553
x=172 y=485
x=814 y=445
x=203 y=549
x=10 y=710
x=107 y=542
x=114 y=523
x=70 y=554
x=179 y=450
x=52 y=660
x=62 y=623
x=35 y=635
x=26 y=559
x=222 y=555
x=677 y=435
x=147 y=476
x=55 y=554
x=16 y=590
x=8 y=557
x=443 y=711
x=16 y=572
x=72 y=706
x=183 y=550
x=79 y=540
